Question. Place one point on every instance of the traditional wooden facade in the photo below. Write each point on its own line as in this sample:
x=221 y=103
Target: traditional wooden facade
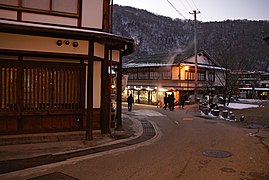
x=54 y=61
x=149 y=77
x=253 y=84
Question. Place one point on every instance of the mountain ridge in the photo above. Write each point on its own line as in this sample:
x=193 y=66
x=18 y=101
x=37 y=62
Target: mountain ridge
x=233 y=43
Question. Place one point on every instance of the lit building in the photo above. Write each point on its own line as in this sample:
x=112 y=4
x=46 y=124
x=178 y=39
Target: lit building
x=54 y=61
x=151 y=76
x=253 y=84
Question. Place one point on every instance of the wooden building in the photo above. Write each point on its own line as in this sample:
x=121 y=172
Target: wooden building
x=54 y=61
x=253 y=84
x=151 y=76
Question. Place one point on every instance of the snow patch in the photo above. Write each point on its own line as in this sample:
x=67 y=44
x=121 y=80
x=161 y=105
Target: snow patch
x=242 y=106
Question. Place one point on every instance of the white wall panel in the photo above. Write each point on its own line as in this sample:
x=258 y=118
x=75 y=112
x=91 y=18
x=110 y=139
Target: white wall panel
x=116 y=55
x=42 y=18
x=92 y=13
x=97 y=84
x=8 y=14
x=99 y=50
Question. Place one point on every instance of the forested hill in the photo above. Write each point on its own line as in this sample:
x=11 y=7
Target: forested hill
x=230 y=41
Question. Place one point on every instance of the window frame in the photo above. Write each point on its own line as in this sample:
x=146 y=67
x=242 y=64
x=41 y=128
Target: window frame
x=19 y=7
x=189 y=75
x=211 y=76
x=201 y=76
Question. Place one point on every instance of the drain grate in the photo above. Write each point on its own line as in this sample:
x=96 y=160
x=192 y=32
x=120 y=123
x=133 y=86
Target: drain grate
x=217 y=153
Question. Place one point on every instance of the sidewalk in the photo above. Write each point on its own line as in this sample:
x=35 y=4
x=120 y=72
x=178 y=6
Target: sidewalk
x=22 y=156
x=26 y=146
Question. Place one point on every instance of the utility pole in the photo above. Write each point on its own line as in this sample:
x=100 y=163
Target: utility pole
x=195 y=53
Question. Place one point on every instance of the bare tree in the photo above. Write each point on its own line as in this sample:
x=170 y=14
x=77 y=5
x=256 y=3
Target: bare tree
x=233 y=64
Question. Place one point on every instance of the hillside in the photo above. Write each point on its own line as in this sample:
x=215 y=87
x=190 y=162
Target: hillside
x=235 y=44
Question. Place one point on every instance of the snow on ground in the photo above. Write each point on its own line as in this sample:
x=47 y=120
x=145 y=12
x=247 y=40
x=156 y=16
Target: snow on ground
x=252 y=101
x=246 y=103
x=242 y=106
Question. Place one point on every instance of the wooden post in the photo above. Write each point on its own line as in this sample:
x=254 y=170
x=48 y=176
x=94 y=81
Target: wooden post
x=89 y=119
x=20 y=93
x=105 y=99
x=82 y=92
x=119 y=91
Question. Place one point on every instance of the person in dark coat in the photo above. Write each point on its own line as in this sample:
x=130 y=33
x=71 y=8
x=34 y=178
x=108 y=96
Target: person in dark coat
x=165 y=101
x=171 y=102
x=130 y=101
x=182 y=101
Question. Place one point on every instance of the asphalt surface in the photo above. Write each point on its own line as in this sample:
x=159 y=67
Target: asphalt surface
x=189 y=148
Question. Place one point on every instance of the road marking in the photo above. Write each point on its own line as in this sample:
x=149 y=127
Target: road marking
x=146 y=113
x=187 y=119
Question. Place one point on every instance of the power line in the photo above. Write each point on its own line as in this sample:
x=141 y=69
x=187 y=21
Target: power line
x=184 y=6
x=175 y=9
x=194 y=4
x=188 y=4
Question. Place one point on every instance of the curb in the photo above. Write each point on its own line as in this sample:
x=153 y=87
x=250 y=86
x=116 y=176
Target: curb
x=148 y=132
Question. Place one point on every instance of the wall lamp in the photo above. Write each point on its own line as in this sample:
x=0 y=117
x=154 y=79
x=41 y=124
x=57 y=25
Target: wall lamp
x=59 y=43
x=75 y=44
x=66 y=42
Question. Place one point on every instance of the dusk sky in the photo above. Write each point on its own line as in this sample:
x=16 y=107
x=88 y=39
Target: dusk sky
x=211 y=10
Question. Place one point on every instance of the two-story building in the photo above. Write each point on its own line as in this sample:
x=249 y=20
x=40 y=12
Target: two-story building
x=253 y=84
x=149 y=77
x=54 y=61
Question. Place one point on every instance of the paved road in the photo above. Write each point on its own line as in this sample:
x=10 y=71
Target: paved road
x=183 y=150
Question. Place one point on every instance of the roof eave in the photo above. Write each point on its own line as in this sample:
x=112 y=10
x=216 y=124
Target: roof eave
x=114 y=41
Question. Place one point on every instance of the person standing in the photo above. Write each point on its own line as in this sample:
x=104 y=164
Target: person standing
x=171 y=102
x=130 y=101
x=182 y=101
x=165 y=101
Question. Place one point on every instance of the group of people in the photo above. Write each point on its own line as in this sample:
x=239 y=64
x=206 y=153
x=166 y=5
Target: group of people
x=169 y=101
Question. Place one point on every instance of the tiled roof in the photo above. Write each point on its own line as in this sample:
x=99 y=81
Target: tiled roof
x=163 y=58
x=168 y=59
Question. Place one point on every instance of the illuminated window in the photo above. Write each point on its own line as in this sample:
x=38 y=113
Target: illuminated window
x=189 y=75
